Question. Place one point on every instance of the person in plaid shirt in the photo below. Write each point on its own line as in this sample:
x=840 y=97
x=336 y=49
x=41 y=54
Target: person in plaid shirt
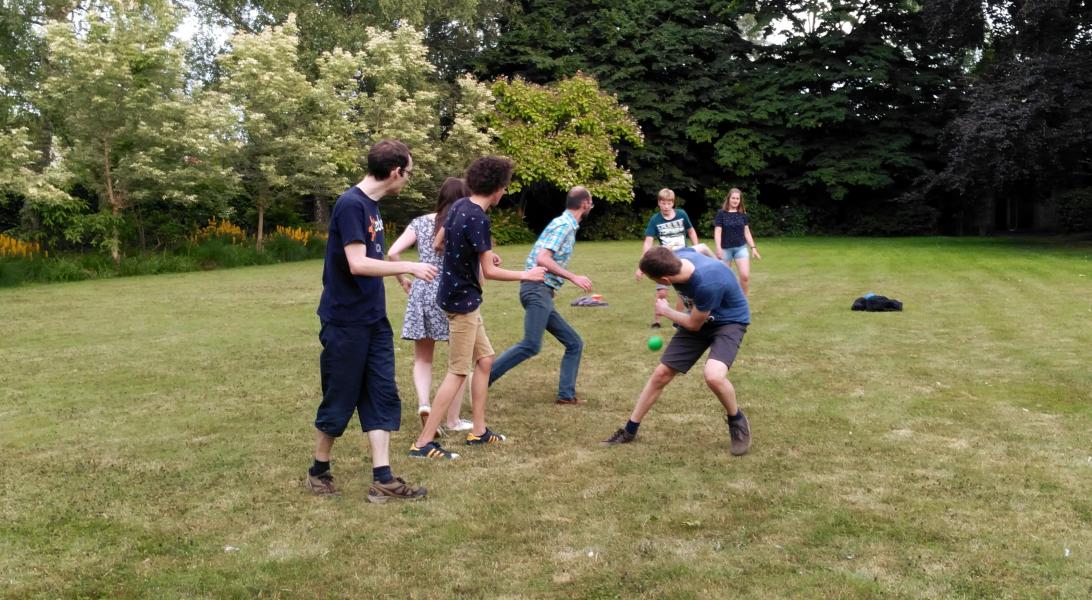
x=553 y=250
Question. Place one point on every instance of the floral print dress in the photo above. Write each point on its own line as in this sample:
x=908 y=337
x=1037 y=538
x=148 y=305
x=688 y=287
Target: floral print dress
x=424 y=318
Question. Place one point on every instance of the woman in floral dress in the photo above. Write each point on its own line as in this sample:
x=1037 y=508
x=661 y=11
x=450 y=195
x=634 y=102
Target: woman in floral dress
x=425 y=322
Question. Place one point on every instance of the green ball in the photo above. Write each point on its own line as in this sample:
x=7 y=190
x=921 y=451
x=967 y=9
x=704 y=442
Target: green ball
x=655 y=343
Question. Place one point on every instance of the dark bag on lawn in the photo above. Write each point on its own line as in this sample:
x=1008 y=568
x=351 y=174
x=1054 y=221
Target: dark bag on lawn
x=874 y=303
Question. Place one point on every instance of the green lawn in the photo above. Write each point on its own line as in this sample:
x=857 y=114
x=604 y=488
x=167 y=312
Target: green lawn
x=148 y=424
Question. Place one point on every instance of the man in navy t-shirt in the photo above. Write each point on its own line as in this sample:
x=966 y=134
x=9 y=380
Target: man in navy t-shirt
x=468 y=251
x=717 y=322
x=357 y=361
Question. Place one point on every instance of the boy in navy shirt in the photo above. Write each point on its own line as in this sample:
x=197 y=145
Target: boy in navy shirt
x=717 y=322
x=357 y=361
x=468 y=252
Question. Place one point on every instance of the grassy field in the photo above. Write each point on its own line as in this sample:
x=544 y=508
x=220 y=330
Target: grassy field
x=154 y=433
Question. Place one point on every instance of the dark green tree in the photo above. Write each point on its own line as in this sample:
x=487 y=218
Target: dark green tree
x=663 y=59
x=840 y=110
x=1019 y=155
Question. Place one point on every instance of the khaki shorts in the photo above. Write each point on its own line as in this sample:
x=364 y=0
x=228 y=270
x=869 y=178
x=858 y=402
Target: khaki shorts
x=467 y=342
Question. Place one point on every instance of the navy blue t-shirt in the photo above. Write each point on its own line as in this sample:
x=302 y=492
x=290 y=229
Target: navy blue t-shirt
x=348 y=299
x=713 y=287
x=466 y=235
x=731 y=232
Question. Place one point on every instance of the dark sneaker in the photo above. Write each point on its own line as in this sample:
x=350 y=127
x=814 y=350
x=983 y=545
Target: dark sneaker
x=740 y=432
x=322 y=484
x=397 y=489
x=489 y=437
x=570 y=401
x=620 y=437
x=431 y=450
x=654 y=326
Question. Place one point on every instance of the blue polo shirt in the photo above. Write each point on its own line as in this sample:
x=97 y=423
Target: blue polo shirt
x=713 y=287
x=348 y=299
x=466 y=235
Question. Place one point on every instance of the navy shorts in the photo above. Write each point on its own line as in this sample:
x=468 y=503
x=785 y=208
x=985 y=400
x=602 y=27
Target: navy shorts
x=357 y=366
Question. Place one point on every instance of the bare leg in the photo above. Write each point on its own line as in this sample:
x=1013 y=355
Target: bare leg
x=660 y=295
x=380 y=441
x=659 y=379
x=716 y=377
x=744 y=267
x=479 y=392
x=451 y=384
x=457 y=404
x=422 y=369
x=323 y=444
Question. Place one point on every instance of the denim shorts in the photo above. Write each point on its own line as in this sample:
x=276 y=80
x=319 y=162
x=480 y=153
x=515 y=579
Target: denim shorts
x=736 y=253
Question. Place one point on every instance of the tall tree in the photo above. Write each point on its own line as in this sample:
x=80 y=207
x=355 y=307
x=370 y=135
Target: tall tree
x=1022 y=142
x=131 y=132
x=844 y=104
x=278 y=122
x=664 y=59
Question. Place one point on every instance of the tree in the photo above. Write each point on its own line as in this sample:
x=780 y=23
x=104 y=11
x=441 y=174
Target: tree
x=565 y=134
x=664 y=59
x=129 y=130
x=17 y=162
x=1021 y=143
x=847 y=106
x=281 y=158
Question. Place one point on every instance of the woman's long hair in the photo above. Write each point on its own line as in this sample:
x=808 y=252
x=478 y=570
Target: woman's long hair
x=742 y=207
x=452 y=190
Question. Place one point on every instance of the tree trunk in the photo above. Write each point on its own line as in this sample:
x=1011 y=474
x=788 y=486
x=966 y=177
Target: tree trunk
x=261 y=224
x=140 y=229
x=115 y=206
x=322 y=215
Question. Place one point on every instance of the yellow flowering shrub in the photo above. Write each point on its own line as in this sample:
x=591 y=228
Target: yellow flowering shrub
x=13 y=248
x=222 y=229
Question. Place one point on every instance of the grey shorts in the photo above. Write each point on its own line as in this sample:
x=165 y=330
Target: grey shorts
x=686 y=347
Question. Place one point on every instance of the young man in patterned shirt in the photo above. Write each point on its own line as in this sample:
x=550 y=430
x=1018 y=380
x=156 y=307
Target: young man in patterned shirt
x=468 y=252
x=553 y=250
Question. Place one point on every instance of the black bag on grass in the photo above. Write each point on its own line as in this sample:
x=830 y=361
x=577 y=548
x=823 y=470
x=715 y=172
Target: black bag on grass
x=874 y=303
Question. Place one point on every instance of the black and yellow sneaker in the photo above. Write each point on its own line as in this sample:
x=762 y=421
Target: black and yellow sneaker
x=489 y=437
x=431 y=450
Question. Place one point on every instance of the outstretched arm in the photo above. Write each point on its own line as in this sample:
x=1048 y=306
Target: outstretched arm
x=362 y=265
x=648 y=244
x=404 y=241
x=491 y=271
x=545 y=258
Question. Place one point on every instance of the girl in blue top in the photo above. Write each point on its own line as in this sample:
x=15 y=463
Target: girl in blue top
x=732 y=233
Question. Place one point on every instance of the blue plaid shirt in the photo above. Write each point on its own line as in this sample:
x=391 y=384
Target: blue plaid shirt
x=560 y=237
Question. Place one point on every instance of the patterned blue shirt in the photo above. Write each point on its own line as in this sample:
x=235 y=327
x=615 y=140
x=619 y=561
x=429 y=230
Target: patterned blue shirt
x=560 y=237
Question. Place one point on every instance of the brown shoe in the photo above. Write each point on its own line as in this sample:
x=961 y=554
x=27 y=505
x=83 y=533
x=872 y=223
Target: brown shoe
x=740 y=432
x=398 y=489
x=322 y=484
x=570 y=401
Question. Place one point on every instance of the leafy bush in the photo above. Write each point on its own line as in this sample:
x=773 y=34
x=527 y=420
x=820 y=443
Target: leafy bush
x=509 y=228
x=894 y=218
x=613 y=222
x=791 y=220
x=1075 y=210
